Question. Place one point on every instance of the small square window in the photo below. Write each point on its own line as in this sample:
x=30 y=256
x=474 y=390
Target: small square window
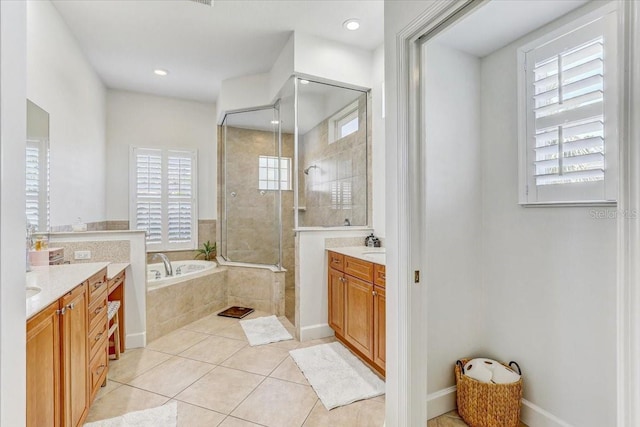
x=268 y=172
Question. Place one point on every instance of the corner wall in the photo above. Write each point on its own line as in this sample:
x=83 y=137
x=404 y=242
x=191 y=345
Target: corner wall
x=61 y=81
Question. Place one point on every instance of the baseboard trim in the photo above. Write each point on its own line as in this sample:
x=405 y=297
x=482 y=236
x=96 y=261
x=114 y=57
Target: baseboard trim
x=534 y=416
x=138 y=340
x=441 y=402
x=315 y=332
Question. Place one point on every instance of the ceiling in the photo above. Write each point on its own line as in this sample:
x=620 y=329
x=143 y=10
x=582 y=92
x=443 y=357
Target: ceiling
x=200 y=45
x=500 y=22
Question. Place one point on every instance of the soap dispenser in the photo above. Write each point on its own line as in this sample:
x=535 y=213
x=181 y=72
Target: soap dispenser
x=369 y=241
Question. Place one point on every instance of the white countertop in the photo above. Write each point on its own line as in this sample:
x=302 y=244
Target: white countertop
x=374 y=255
x=57 y=280
x=115 y=268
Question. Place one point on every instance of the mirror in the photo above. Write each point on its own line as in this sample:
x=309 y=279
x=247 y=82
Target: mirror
x=37 y=169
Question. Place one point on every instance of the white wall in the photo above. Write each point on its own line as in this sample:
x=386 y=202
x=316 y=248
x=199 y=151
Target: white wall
x=282 y=69
x=331 y=60
x=243 y=92
x=62 y=82
x=378 y=142
x=550 y=275
x=13 y=129
x=135 y=119
x=311 y=280
x=454 y=210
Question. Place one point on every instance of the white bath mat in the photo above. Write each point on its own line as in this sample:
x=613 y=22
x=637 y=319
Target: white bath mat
x=337 y=376
x=264 y=330
x=162 y=416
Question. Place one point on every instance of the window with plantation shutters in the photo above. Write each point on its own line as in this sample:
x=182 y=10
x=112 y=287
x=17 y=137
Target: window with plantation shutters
x=37 y=184
x=568 y=126
x=164 y=197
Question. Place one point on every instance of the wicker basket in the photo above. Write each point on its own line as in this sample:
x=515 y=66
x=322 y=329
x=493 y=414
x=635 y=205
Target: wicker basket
x=487 y=404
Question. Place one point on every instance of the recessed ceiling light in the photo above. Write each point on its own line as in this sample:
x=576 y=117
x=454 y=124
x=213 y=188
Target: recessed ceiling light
x=351 y=24
x=304 y=82
x=160 y=72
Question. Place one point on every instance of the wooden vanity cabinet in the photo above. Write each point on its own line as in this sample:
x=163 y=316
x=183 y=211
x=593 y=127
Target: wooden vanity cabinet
x=97 y=337
x=357 y=307
x=59 y=355
x=43 y=368
x=74 y=356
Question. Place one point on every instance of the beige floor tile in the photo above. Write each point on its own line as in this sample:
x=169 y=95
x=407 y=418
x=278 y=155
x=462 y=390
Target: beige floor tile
x=221 y=390
x=236 y=422
x=289 y=371
x=214 y=349
x=210 y=324
x=193 y=416
x=365 y=413
x=177 y=341
x=111 y=385
x=311 y=343
x=260 y=360
x=122 y=400
x=452 y=419
x=234 y=331
x=135 y=362
x=277 y=403
x=172 y=376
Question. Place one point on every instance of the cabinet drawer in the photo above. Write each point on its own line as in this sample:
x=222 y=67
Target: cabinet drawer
x=358 y=268
x=97 y=286
x=98 y=335
x=379 y=275
x=116 y=281
x=336 y=261
x=98 y=371
x=97 y=312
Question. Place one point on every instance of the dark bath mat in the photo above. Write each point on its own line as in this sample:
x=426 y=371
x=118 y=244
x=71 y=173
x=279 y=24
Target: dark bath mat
x=236 y=312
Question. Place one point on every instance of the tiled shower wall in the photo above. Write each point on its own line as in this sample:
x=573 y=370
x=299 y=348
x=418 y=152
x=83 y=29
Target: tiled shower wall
x=337 y=189
x=252 y=231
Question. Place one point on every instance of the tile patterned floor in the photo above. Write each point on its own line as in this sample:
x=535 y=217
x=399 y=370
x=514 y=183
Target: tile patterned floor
x=217 y=379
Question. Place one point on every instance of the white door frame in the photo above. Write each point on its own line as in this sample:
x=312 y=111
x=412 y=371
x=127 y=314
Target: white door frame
x=407 y=302
x=628 y=283
x=407 y=369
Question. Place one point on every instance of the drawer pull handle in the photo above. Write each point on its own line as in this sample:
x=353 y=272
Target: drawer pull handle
x=100 y=368
x=336 y=261
x=71 y=306
x=382 y=276
x=98 y=310
x=342 y=279
x=98 y=336
x=374 y=293
x=97 y=285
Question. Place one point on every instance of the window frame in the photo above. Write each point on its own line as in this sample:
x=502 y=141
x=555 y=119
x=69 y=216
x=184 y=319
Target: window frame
x=563 y=194
x=164 y=244
x=278 y=168
x=341 y=118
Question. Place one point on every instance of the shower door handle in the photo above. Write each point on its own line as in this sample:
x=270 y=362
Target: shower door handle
x=234 y=194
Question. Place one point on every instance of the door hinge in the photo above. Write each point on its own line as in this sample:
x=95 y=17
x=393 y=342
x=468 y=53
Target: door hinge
x=416 y=276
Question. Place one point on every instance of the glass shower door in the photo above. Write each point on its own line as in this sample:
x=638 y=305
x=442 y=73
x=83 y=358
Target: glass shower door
x=254 y=173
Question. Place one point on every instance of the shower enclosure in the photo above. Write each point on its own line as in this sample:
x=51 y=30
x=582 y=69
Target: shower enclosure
x=254 y=174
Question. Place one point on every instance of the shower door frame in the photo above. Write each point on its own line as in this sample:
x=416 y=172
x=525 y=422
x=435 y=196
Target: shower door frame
x=223 y=211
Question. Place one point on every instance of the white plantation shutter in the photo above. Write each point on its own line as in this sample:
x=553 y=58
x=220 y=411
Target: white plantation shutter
x=37 y=184
x=570 y=152
x=163 y=197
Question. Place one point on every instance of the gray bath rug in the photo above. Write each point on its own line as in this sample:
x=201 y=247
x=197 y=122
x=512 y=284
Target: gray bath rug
x=162 y=416
x=264 y=330
x=337 y=376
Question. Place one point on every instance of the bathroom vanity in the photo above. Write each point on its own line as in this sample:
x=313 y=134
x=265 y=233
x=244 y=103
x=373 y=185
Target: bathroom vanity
x=356 y=284
x=67 y=340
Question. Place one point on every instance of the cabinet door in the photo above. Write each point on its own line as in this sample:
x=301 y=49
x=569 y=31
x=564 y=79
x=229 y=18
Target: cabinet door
x=336 y=301
x=359 y=315
x=75 y=358
x=43 y=368
x=379 y=327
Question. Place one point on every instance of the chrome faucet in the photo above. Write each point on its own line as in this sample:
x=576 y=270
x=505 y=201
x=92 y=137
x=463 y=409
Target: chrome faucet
x=167 y=264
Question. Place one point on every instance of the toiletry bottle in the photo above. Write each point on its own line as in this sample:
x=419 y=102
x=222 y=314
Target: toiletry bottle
x=369 y=240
